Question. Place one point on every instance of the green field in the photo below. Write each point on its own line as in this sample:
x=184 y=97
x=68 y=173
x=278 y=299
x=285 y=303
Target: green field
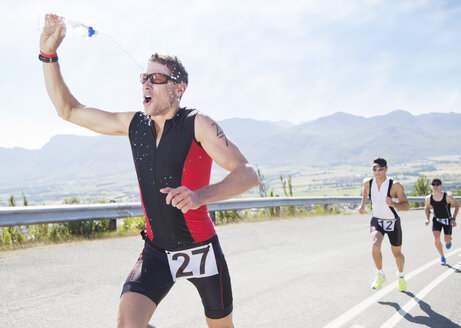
x=344 y=180
x=348 y=180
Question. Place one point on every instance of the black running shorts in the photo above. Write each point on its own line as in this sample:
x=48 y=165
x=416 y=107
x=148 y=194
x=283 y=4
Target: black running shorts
x=395 y=236
x=437 y=226
x=151 y=277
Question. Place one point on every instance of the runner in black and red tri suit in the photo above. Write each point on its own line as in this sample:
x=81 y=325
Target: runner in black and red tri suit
x=173 y=149
x=442 y=219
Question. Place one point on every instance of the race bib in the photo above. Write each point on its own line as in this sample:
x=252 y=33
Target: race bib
x=387 y=225
x=443 y=221
x=195 y=262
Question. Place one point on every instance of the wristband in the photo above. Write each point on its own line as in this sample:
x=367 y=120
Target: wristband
x=47 y=58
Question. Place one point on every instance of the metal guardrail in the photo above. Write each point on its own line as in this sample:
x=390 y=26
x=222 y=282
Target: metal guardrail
x=10 y=216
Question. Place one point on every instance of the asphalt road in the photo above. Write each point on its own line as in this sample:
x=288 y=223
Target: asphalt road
x=306 y=272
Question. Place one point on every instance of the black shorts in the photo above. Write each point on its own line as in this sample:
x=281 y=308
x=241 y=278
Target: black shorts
x=437 y=226
x=395 y=236
x=151 y=277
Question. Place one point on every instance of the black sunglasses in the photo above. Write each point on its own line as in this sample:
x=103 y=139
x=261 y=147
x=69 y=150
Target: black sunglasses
x=157 y=78
x=435 y=184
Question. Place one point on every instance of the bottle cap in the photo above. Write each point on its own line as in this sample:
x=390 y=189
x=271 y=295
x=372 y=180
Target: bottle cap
x=91 y=31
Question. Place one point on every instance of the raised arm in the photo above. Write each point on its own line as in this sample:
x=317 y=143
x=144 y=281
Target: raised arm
x=67 y=106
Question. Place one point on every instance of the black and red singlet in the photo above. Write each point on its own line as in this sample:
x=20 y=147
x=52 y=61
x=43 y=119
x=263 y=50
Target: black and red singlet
x=179 y=160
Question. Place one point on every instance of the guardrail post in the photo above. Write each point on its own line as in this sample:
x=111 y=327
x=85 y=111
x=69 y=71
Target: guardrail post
x=277 y=208
x=112 y=222
x=213 y=216
x=112 y=225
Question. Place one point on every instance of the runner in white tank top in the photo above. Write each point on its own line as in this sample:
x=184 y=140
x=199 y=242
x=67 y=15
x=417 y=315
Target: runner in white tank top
x=386 y=197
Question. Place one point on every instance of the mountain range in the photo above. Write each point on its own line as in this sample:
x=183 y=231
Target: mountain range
x=347 y=139
x=68 y=161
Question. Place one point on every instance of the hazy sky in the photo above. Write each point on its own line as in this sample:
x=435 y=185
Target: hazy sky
x=268 y=60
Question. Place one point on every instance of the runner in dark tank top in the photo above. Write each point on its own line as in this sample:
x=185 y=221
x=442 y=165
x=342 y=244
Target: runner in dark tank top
x=442 y=218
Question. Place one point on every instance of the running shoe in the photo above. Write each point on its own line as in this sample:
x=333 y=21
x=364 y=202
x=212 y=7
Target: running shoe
x=402 y=284
x=378 y=281
x=443 y=261
x=448 y=246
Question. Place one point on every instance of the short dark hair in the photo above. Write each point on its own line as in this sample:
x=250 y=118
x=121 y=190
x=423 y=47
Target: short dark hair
x=174 y=65
x=380 y=161
x=436 y=181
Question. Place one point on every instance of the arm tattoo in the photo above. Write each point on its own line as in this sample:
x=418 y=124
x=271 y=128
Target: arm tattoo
x=219 y=133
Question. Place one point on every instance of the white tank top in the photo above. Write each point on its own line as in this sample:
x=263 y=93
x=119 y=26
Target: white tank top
x=378 y=198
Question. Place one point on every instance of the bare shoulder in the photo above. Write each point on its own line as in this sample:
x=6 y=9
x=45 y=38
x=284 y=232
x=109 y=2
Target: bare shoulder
x=450 y=198
x=202 y=124
x=397 y=190
x=397 y=185
x=213 y=140
x=366 y=181
x=202 y=119
x=206 y=127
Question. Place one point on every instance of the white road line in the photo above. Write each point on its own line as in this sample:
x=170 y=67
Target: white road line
x=417 y=298
x=362 y=306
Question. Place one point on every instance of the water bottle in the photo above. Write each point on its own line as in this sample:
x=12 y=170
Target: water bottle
x=79 y=29
x=73 y=28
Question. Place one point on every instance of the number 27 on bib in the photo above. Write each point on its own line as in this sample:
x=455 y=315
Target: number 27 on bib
x=195 y=262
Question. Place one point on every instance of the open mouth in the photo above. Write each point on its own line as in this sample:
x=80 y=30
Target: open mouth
x=147 y=100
